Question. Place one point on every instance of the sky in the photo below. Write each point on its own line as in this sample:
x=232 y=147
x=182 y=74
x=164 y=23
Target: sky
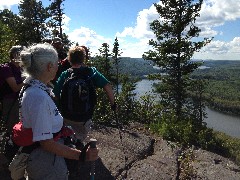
x=94 y=22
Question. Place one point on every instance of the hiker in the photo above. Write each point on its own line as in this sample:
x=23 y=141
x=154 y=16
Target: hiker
x=58 y=45
x=81 y=122
x=62 y=56
x=38 y=112
x=11 y=82
x=47 y=40
x=64 y=64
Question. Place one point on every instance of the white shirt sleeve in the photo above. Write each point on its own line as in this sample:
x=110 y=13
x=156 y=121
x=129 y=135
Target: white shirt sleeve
x=39 y=115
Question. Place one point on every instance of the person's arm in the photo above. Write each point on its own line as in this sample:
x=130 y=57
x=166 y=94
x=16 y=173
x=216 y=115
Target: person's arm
x=59 y=84
x=13 y=84
x=67 y=152
x=109 y=91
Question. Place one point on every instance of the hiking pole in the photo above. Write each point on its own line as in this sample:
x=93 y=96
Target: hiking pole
x=121 y=140
x=93 y=143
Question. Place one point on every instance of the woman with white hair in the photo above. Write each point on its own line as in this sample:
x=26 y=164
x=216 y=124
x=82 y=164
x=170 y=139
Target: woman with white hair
x=39 y=113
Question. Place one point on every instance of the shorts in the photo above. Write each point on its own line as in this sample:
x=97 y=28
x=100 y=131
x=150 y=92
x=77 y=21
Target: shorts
x=81 y=129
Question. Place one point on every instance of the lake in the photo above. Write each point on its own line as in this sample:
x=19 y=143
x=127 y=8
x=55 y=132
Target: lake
x=228 y=124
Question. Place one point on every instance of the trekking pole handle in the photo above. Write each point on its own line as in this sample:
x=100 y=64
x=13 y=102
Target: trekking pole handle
x=93 y=143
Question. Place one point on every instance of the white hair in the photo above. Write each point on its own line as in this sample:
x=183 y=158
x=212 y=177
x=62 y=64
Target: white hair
x=36 y=58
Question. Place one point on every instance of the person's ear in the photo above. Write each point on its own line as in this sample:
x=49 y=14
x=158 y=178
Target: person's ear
x=49 y=66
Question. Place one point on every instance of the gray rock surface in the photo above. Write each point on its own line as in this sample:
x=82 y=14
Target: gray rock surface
x=150 y=158
x=132 y=154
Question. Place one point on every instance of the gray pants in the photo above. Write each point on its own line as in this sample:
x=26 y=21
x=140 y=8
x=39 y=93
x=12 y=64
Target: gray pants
x=45 y=165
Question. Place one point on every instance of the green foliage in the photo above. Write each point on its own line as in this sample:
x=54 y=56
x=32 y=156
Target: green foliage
x=186 y=159
x=116 y=56
x=7 y=40
x=102 y=113
x=228 y=146
x=147 y=110
x=126 y=102
x=172 y=52
x=56 y=10
x=136 y=68
x=102 y=61
x=14 y=27
x=223 y=89
x=34 y=16
x=31 y=25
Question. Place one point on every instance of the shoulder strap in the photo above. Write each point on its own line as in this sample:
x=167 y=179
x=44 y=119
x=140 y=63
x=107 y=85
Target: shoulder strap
x=84 y=72
x=93 y=74
x=21 y=93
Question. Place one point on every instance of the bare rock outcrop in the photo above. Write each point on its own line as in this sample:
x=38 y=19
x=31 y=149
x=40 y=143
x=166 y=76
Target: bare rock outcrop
x=151 y=158
x=131 y=154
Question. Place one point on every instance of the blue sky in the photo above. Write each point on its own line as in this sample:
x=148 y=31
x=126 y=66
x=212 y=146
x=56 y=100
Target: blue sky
x=93 y=22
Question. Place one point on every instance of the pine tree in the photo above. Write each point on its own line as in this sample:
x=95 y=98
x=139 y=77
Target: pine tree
x=34 y=17
x=116 y=57
x=104 y=61
x=173 y=49
x=14 y=24
x=56 y=11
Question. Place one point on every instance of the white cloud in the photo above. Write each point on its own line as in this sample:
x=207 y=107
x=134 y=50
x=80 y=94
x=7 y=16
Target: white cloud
x=89 y=38
x=133 y=40
x=134 y=49
x=208 y=32
x=142 y=28
x=66 y=20
x=128 y=31
x=6 y=4
x=221 y=50
x=215 y=13
x=141 y=34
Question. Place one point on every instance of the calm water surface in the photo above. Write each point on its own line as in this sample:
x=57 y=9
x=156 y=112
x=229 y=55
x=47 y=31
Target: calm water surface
x=228 y=124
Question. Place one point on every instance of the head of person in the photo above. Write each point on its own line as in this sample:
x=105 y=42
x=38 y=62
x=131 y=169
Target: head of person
x=76 y=55
x=47 y=40
x=14 y=53
x=57 y=43
x=40 y=61
x=87 y=52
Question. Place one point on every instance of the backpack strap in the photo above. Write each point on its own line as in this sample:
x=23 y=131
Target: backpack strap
x=20 y=96
x=94 y=73
x=84 y=72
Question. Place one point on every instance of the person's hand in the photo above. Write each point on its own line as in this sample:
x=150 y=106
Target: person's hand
x=92 y=154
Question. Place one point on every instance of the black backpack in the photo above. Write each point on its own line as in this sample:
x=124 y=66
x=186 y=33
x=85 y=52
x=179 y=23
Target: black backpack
x=78 y=95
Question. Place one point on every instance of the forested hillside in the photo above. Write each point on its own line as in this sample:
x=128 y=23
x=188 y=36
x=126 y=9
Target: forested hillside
x=223 y=84
x=222 y=76
x=136 y=67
